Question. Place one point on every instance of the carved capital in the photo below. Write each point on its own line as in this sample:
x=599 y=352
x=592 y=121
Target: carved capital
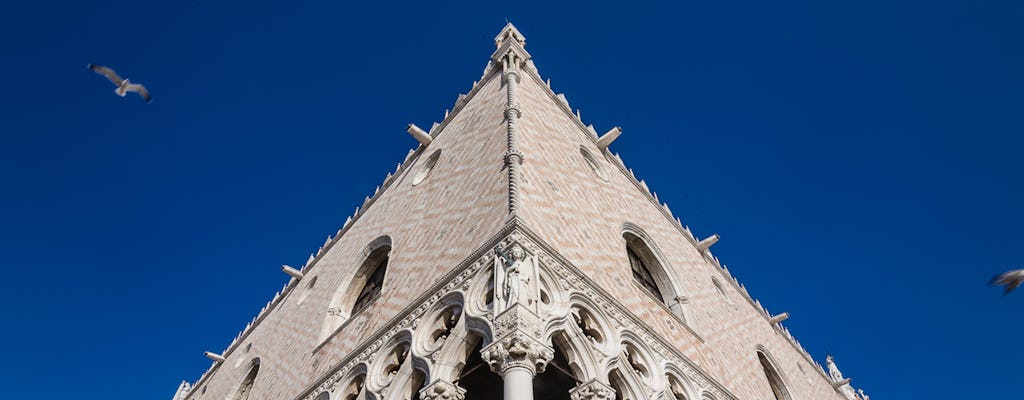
x=592 y=390
x=442 y=390
x=517 y=350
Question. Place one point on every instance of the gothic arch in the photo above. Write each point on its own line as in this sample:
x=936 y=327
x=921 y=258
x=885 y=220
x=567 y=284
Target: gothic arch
x=438 y=324
x=638 y=357
x=353 y=385
x=351 y=296
x=553 y=299
x=776 y=381
x=443 y=335
x=592 y=323
x=626 y=385
x=480 y=296
x=388 y=360
x=677 y=386
x=651 y=269
x=396 y=373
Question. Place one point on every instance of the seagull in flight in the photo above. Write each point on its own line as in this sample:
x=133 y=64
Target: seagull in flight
x=1011 y=279
x=123 y=85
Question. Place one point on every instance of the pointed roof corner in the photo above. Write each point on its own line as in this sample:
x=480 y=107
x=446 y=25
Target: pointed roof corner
x=507 y=33
x=511 y=52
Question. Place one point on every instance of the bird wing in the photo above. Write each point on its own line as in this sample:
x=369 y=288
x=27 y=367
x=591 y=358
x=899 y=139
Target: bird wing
x=1007 y=277
x=141 y=90
x=107 y=72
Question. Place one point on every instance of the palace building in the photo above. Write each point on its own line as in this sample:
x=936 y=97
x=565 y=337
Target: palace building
x=514 y=254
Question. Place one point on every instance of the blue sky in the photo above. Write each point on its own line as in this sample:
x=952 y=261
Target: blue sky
x=861 y=161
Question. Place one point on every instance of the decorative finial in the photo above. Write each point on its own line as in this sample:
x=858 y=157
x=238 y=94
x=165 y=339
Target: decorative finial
x=509 y=32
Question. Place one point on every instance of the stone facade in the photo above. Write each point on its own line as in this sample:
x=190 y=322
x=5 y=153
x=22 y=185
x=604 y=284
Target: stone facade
x=506 y=234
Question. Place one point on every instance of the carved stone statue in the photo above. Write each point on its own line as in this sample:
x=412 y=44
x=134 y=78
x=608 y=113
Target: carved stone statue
x=183 y=390
x=515 y=278
x=862 y=395
x=837 y=377
x=833 y=370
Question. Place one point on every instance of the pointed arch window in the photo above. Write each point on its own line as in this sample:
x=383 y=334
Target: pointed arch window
x=642 y=273
x=650 y=273
x=361 y=289
x=371 y=289
x=775 y=380
x=245 y=388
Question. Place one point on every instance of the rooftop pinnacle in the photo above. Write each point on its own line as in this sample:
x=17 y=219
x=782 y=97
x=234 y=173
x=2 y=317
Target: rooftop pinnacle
x=509 y=32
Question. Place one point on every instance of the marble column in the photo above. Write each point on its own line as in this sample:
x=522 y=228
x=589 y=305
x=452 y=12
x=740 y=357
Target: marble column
x=517 y=353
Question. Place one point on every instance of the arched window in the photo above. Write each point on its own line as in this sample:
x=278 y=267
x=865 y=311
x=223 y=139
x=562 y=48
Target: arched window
x=642 y=271
x=775 y=380
x=245 y=388
x=649 y=272
x=371 y=288
x=557 y=380
x=676 y=388
x=353 y=389
x=362 y=289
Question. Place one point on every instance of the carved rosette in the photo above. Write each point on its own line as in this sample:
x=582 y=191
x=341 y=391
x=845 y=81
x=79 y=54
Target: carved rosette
x=592 y=390
x=517 y=350
x=442 y=390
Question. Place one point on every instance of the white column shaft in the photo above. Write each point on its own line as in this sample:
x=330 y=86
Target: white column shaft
x=518 y=384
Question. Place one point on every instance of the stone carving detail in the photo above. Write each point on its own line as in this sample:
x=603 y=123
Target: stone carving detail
x=841 y=384
x=183 y=390
x=517 y=318
x=833 y=370
x=515 y=280
x=592 y=390
x=442 y=390
x=517 y=350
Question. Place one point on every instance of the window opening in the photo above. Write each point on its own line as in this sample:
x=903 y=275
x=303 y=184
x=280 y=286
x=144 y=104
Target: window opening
x=372 y=287
x=642 y=273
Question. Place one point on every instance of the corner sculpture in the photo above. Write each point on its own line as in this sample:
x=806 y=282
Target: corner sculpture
x=516 y=279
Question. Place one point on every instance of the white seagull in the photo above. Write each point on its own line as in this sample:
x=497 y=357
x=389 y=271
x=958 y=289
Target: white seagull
x=123 y=85
x=1011 y=279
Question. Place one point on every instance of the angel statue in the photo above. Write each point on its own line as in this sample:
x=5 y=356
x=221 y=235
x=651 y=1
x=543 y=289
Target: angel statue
x=515 y=278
